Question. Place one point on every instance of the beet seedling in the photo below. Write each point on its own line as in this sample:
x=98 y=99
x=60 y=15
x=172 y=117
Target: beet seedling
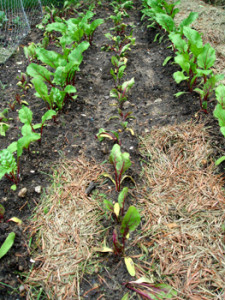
x=118 y=207
x=120 y=64
x=130 y=222
x=112 y=135
x=26 y=116
x=23 y=82
x=121 y=163
x=121 y=92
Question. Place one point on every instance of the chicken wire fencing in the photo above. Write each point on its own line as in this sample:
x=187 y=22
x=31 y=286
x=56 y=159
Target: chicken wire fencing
x=16 y=19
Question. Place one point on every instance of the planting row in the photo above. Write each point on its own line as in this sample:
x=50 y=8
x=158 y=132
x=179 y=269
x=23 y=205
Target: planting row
x=195 y=59
x=125 y=218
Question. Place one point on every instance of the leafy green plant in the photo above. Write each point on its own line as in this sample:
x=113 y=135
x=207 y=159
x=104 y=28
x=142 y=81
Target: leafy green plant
x=30 y=51
x=9 y=166
x=89 y=29
x=149 y=290
x=118 y=207
x=26 y=116
x=24 y=82
x=112 y=135
x=207 y=89
x=62 y=80
x=120 y=64
x=129 y=223
x=8 y=243
x=121 y=163
x=121 y=92
x=120 y=44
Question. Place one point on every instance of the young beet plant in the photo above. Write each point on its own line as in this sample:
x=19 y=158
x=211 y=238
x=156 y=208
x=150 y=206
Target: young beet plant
x=121 y=163
x=112 y=135
x=129 y=223
x=121 y=92
x=26 y=116
x=118 y=207
x=119 y=64
x=62 y=80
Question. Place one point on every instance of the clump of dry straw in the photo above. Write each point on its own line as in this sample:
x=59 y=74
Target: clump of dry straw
x=184 y=208
x=67 y=224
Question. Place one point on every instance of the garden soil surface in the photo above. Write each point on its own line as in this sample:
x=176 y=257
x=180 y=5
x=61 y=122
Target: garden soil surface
x=152 y=102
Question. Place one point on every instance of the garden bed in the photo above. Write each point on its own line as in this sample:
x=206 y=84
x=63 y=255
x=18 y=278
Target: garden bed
x=70 y=143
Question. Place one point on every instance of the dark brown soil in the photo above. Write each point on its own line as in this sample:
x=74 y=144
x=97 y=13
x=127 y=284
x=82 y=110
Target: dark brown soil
x=152 y=102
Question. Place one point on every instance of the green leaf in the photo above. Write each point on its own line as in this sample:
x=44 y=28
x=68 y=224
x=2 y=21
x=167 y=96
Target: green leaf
x=179 y=94
x=121 y=161
x=179 y=43
x=25 y=115
x=130 y=221
x=51 y=58
x=127 y=85
x=108 y=205
x=183 y=60
x=168 y=58
x=3 y=128
x=7 y=163
x=165 y=21
x=220 y=160
x=193 y=36
x=38 y=71
x=76 y=55
x=41 y=89
x=12 y=147
x=25 y=141
x=207 y=57
x=125 y=297
x=179 y=76
x=220 y=94
x=190 y=19
x=219 y=113
x=8 y=243
x=48 y=115
x=56 y=26
x=122 y=196
x=70 y=89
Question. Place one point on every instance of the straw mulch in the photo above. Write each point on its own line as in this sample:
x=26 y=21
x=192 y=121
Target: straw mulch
x=183 y=205
x=67 y=225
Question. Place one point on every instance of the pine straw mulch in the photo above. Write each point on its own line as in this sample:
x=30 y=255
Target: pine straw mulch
x=67 y=224
x=184 y=208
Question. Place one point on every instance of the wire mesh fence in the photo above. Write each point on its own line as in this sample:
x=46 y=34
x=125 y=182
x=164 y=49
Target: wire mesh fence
x=16 y=19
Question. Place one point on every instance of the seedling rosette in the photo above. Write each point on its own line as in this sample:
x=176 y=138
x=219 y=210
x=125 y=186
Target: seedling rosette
x=121 y=92
x=121 y=163
x=112 y=135
x=130 y=222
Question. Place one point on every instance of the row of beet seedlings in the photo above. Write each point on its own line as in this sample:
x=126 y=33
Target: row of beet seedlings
x=53 y=78
x=126 y=219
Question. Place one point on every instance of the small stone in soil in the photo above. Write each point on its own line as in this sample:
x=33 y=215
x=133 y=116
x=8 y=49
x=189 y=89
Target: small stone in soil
x=22 y=193
x=37 y=189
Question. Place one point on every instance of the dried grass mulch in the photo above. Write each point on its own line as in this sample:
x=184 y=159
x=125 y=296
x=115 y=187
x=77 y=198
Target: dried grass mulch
x=67 y=225
x=184 y=208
